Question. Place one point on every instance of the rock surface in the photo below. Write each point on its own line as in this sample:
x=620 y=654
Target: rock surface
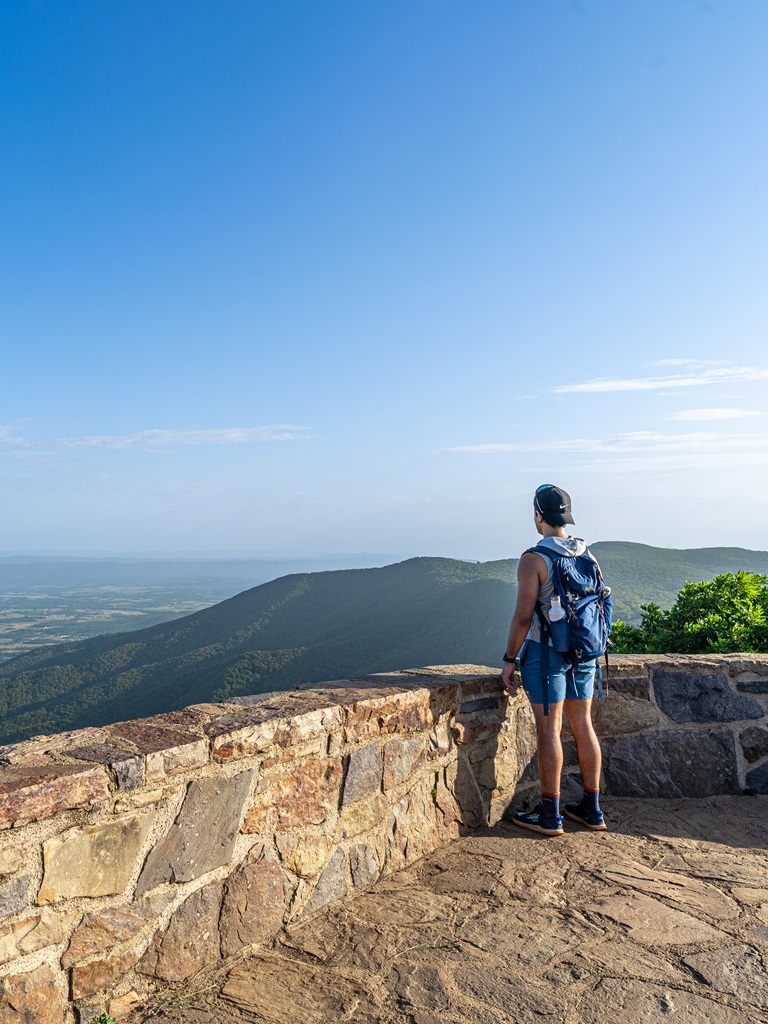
x=203 y=836
x=699 y=697
x=662 y=918
x=93 y=860
x=685 y=763
x=31 y=997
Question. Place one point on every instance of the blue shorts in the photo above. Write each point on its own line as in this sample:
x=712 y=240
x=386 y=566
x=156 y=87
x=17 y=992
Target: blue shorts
x=562 y=684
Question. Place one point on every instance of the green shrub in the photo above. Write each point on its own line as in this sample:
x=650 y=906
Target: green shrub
x=721 y=616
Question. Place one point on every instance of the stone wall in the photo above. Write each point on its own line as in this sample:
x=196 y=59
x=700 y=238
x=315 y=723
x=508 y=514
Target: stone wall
x=134 y=855
x=676 y=726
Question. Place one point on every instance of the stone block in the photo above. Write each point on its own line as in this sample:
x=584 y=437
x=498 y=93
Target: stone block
x=40 y=749
x=11 y=859
x=363 y=815
x=166 y=751
x=190 y=719
x=404 y=755
x=751 y=683
x=363 y=776
x=317 y=747
x=99 y=931
x=628 y=686
x=255 y=904
x=191 y=940
x=410 y=711
x=93 y=860
x=490 y=703
x=755 y=665
x=628 y=666
x=33 y=793
x=14 y=896
x=100 y=975
x=305 y=795
x=447 y=811
x=124 y=1006
x=312 y=724
x=304 y=856
x=477 y=729
x=243 y=734
x=757 y=779
x=128 y=768
x=691 y=696
x=682 y=763
x=283 y=721
x=331 y=885
x=43 y=928
x=754 y=742
x=32 y=998
x=620 y=713
x=413 y=827
x=441 y=737
x=461 y=781
x=364 y=865
x=203 y=836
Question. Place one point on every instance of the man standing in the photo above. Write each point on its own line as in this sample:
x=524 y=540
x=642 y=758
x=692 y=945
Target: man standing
x=548 y=677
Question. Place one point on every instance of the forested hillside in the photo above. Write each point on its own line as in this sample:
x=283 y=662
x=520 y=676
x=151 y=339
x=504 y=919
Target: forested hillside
x=315 y=626
x=306 y=627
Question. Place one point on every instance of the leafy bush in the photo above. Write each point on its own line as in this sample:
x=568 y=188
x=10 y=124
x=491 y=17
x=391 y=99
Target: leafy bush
x=720 y=616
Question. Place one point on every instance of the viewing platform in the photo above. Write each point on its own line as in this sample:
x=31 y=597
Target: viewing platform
x=662 y=918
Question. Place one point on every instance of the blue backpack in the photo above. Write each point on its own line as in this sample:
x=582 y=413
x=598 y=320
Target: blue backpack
x=584 y=632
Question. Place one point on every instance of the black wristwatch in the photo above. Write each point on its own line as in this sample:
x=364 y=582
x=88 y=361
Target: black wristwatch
x=509 y=661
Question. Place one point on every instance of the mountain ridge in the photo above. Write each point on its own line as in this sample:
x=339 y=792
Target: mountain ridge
x=313 y=626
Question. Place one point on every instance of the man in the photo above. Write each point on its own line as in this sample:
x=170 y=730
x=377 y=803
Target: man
x=567 y=690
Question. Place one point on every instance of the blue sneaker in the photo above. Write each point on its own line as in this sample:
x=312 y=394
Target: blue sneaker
x=536 y=822
x=594 y=820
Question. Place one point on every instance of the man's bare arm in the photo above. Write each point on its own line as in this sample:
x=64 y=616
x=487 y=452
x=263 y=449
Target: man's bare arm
x=531 y=574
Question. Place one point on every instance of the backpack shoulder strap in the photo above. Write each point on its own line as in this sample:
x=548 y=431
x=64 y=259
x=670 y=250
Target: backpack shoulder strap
x=540 y=549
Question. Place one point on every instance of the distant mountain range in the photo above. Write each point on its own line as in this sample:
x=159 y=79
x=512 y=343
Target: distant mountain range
x=310 y=627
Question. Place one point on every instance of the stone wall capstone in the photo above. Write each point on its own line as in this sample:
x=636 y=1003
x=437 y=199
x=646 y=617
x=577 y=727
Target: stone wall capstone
x=137 y=854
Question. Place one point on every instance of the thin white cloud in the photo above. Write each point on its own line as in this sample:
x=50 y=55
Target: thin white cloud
x=686 y=362
x=689 y=415
x=725 y=375
x=176 y=438
x=640 y=450
x=397 y=500
x=11 y=436
x=158 y=442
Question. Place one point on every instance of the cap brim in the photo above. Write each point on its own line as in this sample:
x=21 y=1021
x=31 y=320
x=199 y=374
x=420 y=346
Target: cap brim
x=561 y=519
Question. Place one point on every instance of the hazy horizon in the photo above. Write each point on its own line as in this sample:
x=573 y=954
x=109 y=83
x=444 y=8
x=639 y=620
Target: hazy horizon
x=375 y=559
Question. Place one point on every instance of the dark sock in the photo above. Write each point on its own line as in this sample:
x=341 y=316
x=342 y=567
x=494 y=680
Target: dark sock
x=591 y=800
x=550 y=805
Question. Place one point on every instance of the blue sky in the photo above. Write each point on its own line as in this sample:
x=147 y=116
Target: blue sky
x=302 y=277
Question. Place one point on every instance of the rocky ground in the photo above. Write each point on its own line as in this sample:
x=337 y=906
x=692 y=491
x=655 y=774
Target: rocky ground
x=662 y=918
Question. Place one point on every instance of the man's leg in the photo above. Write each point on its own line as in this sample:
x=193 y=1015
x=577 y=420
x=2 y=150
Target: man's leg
x=549 y=747
x=588 y=811
x=546 y=818
x=579 y=714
